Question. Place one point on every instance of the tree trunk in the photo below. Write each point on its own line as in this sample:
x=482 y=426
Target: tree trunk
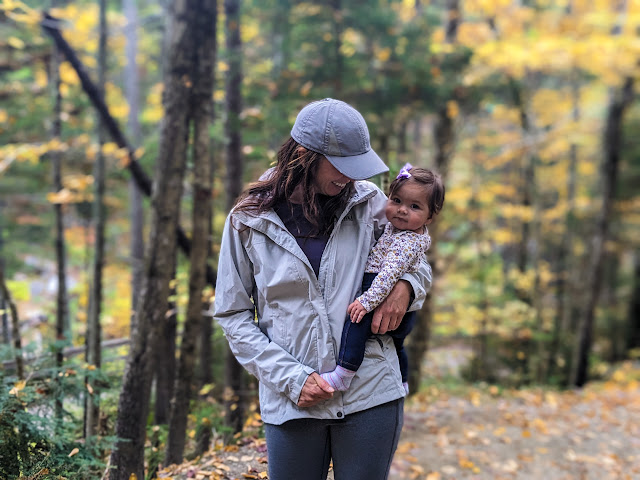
x=612 y=143
x=528 y=173
x=202 y=113
x=205 y=350
x=234 y=379
x=6 y=336
x=62 y=322
x=127 y=456
x=336 y=6
x=141 y=178
x=615 y=328
x=633 y=321
x=444 y=138
x=233 y=84
x=15 y=324
x=565 y=283
x=94 y=329
x=165 y=362
x=135 y=194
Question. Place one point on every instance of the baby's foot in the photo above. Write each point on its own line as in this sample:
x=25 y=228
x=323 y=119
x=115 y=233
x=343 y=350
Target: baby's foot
x=340 y=378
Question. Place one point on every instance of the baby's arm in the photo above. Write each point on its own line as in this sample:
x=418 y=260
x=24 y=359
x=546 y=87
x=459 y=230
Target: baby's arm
x=401 y=256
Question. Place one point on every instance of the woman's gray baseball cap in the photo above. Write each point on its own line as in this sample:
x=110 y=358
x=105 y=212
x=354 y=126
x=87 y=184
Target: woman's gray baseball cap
x=336 y=130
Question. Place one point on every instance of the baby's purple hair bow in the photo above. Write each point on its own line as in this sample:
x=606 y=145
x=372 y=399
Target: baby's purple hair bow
x=404 y=171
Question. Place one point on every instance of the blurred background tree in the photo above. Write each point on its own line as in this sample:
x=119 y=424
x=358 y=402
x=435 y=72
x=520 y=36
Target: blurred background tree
x=527 y=108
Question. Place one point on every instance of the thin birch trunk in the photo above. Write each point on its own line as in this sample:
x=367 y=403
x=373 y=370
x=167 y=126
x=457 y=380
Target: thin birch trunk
x=62 y=326
x=94 y=338
x=132 y=92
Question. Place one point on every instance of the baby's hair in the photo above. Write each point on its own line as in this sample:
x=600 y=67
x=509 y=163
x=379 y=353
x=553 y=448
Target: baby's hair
x=433 y=186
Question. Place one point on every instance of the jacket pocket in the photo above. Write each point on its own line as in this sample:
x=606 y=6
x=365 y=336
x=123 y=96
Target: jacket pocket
x=374 y=349
x=280 y=331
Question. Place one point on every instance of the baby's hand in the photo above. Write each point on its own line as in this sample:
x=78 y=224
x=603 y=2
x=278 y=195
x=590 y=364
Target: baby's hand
x=356 y=311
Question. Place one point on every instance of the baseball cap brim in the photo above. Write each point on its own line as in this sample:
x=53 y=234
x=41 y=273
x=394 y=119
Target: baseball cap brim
x=359 y=167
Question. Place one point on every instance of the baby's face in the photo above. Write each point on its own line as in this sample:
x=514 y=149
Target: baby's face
x=407 y=208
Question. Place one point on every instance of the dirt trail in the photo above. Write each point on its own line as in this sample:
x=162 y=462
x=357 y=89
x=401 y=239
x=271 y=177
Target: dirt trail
x=490 y=434
x=593 y=434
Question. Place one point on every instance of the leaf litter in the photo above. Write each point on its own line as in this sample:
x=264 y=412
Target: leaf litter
x=488 y=434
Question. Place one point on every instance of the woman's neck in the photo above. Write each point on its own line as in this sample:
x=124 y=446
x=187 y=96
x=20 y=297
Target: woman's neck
x=297 y=195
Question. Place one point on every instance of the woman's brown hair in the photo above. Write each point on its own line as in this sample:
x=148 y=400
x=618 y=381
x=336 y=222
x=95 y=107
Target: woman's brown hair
x=434 y=187
x=295 y=165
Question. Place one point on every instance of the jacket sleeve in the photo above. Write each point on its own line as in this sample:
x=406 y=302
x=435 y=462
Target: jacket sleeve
x=404 y=252
x=234 y=311
x=420 y=281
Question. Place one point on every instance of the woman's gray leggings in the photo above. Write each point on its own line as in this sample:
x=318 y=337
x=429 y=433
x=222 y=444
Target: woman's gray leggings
x=361 y=445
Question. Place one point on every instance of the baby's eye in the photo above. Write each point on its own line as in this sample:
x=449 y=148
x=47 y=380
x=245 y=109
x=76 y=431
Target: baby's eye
x=415 y=207
x=395 y=200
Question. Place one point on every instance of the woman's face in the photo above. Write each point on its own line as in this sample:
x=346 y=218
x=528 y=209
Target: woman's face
x=329 y=181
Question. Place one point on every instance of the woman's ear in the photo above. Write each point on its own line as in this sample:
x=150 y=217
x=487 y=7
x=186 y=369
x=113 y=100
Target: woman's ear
x=301 y=150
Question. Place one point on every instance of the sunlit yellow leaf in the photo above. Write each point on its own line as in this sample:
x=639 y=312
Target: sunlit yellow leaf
x=41 y=78
x=383 y=54
x=452 y=109
x=61 y=197
x=15 y=43
x=306 y=88
x=73 y=452
x=68 y=74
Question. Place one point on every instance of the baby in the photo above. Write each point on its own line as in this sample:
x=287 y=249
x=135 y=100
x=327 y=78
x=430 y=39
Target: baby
x=415 y=197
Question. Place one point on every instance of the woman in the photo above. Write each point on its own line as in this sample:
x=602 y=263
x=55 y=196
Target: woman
x=292 y=256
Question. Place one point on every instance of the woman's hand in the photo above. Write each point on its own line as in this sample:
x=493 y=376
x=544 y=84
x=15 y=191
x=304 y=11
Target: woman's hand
x=315 y=390
x=389 y=313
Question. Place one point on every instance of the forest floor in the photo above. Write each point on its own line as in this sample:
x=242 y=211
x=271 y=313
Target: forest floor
x=489 y=433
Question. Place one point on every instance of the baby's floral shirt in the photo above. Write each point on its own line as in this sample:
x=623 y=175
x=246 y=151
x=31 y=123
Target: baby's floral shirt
x=397 y=252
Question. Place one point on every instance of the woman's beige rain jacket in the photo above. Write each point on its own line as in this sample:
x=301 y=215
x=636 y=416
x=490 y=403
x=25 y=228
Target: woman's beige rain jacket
x=283 y=323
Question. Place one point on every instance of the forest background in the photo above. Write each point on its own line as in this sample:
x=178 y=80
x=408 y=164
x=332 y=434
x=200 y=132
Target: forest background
x=124 y=123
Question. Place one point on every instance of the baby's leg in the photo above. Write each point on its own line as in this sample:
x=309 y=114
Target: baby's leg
x=398 y=336
x=351 y=355
x=352 y=346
